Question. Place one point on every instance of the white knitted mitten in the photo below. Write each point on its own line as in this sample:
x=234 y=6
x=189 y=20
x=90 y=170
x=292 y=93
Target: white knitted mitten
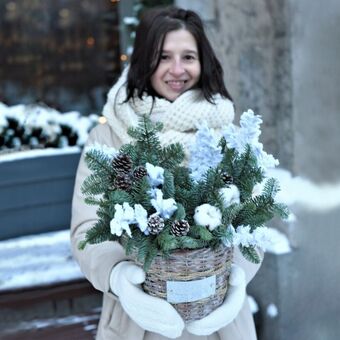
x=150 y=313
x=228 y=311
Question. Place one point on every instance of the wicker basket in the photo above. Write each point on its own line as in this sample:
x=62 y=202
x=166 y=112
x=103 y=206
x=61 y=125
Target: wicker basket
x=206 y=269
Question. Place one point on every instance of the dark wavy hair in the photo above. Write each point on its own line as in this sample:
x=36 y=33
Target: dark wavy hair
x=154 y=25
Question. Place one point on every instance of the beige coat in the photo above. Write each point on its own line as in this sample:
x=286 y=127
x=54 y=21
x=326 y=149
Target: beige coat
x=96 y=262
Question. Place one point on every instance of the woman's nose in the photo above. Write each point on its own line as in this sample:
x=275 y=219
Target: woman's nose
x=176 y=68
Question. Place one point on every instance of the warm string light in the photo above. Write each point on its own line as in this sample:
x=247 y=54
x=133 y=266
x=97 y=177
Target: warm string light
x=90 y=41
x=123 y=57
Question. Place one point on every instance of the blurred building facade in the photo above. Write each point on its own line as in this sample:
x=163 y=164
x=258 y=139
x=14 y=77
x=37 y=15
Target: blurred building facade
x=281 y=59
x=62 y=53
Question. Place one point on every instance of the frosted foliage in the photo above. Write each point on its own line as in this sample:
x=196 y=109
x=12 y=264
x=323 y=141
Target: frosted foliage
x=248 y=134
x=205 y=153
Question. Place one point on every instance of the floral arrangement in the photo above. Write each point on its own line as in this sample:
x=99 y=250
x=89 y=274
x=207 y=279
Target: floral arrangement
x=152 y=204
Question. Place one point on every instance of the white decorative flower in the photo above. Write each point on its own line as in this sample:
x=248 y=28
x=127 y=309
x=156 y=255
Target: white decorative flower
x=230 y=195
x=208 y=215
x=164 y=207
x=124 y=215
x=243 y=236
x=155 y=174
x=152 y=192
x=141 y=216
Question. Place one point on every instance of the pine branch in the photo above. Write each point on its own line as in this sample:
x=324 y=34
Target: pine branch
x=140 y=193
x=150 y=256
x=271 y=188
x=168 y=185
x=180 y=213
x=98 y=162
x=171 y=156
x=167 y=242
x=250 y=254
x=200 y=232
x=92 y=200
x=99 y=233
x=94 y=185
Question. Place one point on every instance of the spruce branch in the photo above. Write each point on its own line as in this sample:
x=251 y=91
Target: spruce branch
x=250 y=254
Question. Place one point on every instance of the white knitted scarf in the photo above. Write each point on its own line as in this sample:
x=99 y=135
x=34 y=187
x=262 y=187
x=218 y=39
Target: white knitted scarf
x=180 y=117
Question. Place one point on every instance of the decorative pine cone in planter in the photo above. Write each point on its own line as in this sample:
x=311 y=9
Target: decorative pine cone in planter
x=227 y=179
x=180 y=228
x=155 y=224
x=122 y=163
x=123 y=181
x=139 y=172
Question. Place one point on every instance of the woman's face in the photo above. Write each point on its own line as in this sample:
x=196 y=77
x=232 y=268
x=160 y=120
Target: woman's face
x=179 y=69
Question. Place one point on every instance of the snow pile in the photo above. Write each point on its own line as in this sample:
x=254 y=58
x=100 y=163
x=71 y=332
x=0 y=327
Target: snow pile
x=279 y=243
x=14 y=156
x=272 y=311
x=304 y=193
x=25 y=127
x=37 y=260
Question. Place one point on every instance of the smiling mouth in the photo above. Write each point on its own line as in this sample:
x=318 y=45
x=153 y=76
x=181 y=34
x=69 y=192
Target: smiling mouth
x=176 y=85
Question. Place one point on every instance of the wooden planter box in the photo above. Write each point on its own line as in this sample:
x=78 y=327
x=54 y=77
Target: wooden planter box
x=36 y=194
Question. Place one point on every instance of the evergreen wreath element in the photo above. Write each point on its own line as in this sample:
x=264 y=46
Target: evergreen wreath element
x=160 y=205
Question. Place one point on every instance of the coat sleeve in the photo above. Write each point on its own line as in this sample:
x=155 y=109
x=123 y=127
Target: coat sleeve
x=95 y=261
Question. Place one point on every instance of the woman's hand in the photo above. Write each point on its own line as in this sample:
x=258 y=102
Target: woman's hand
x=228 y=311
x=150 y=313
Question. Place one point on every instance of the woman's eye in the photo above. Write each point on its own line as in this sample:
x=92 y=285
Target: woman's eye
x=189 y=57
x=164 y=57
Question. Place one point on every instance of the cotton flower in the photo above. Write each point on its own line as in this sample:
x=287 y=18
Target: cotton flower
x=141 y=217
x=164 y=207
x=124 y=215
x=230 y=195
x=208 y=215
x=243 y=236
x=259 y=237
x=155 y=174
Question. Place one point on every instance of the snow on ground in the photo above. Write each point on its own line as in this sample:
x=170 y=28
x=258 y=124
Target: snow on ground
x=254 y=307
x=272 y=311
x=37 y=260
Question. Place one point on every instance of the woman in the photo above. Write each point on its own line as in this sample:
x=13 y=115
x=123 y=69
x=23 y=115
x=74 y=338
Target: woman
x=175 y=77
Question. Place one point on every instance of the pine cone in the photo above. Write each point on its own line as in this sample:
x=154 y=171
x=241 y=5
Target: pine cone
x=122 y=163
x=139 y=172
x=123 y=181
x=227 y=179
x=155 y=224
x=180 y=228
